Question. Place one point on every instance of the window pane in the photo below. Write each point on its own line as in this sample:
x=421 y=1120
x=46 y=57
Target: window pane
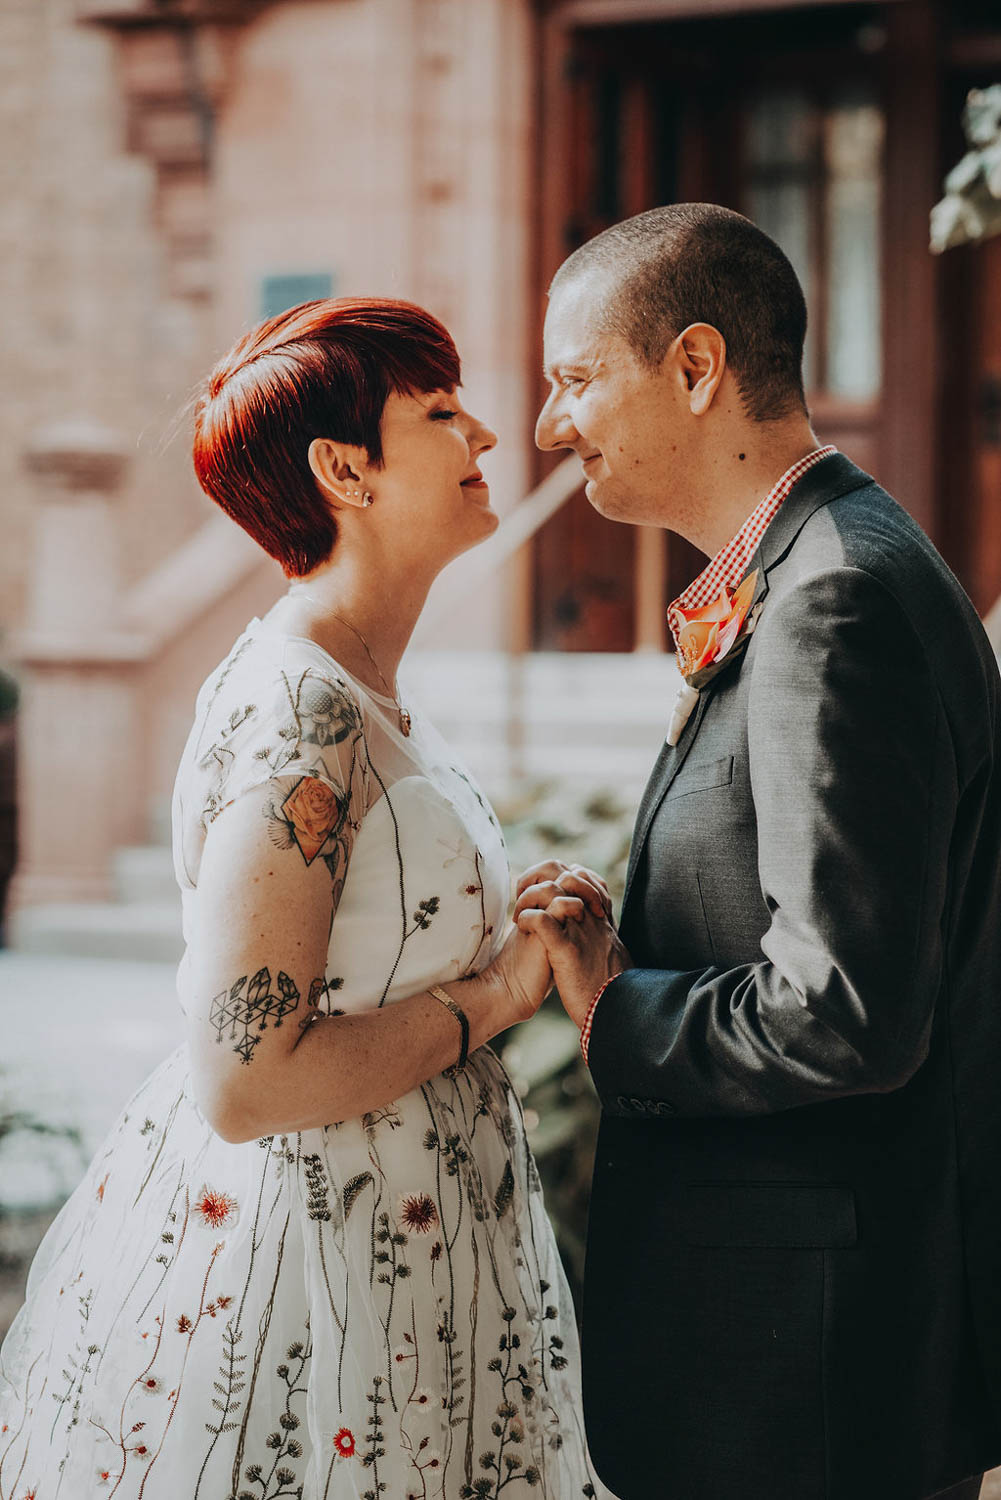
x=281 y=292
x=780 y=135
x=853 y=140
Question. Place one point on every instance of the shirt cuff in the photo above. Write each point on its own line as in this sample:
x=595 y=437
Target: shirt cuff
x=585 y=1030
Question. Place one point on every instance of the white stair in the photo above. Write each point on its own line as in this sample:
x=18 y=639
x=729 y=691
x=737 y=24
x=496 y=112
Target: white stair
x=592 y=720
x=580 y=722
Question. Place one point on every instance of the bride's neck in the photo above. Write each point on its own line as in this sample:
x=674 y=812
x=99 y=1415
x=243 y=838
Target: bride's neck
x=383 y=609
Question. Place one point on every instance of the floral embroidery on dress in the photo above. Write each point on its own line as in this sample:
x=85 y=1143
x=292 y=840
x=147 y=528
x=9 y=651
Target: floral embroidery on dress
x=374 y=1310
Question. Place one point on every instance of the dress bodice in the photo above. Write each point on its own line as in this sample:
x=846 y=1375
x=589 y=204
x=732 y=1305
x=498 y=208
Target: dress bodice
x=424 y=886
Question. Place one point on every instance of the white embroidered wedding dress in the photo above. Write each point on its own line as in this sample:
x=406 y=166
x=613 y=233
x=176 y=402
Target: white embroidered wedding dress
x=370 y=1311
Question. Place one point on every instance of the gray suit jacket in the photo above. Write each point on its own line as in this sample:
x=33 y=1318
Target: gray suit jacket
x=794 y=1276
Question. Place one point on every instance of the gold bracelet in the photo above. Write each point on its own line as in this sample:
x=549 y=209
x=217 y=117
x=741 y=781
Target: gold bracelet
x=460 y=1016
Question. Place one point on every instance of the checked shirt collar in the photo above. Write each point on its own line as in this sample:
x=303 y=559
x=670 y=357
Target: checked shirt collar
x=729 y=565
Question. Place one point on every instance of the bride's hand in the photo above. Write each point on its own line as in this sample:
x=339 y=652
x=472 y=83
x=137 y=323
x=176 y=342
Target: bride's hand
x=524 y=976
x=522 y=966
x=551 y=880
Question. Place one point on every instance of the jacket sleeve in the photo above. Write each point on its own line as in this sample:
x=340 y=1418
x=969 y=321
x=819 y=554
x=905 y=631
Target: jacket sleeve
x=855 y=796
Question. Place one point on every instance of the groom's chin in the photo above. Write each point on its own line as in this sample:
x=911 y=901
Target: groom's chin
x=609 y=500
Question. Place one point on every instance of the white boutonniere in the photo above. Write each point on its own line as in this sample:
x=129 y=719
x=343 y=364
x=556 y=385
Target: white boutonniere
x=711 y=638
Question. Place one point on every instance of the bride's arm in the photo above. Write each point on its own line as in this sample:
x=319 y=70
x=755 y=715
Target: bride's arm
x=264 y=1059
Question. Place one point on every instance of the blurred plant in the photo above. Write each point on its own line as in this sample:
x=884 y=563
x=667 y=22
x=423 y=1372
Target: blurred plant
x=22 y=1226
x=543 y=1056
x=971 y=208
x=62 y=1167
x=8 y=695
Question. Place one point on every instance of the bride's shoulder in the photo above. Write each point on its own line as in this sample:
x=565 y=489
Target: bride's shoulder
x=273 y=705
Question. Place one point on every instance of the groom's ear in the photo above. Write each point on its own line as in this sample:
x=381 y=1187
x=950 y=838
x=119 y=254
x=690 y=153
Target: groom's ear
x=700 y=360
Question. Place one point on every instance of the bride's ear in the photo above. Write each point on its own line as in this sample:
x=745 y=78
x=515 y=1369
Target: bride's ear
x=339 y=470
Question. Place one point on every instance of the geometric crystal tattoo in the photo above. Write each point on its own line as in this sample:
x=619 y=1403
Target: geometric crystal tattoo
x=246 y=1013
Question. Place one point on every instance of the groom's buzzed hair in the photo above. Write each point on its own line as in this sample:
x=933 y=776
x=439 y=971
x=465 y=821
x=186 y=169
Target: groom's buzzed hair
x=699 y=263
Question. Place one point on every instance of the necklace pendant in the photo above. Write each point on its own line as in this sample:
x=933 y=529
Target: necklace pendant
x=405 y=722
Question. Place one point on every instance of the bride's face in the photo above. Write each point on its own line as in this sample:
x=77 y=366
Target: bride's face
x=431 y=480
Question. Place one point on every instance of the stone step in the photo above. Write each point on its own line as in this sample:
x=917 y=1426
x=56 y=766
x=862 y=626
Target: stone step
x=93 y=929
x=585 y=723
x=144 y=875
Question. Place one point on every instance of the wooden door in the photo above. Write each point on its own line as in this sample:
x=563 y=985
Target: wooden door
x=780 y=117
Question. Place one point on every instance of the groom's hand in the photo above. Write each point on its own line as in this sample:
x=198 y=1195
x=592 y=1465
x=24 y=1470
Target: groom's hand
x=552 y=880
x=584 y=951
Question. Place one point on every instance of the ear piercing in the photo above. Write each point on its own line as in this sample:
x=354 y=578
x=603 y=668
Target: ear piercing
x=366 y=499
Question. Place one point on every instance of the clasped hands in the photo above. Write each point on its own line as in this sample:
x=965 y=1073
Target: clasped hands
x=566 y=912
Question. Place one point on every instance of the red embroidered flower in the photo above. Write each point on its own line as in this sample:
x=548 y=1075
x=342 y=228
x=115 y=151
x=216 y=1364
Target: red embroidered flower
x=344 y=1442
x=419 y=1213
x=151 y=1385
x=184 y=1324
x=216 y=1210
x=223 y=1302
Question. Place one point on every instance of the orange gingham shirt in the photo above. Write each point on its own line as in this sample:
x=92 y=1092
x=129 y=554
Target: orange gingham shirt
x=725 y=570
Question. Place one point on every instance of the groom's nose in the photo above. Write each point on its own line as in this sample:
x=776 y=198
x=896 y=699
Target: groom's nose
x=554 y=429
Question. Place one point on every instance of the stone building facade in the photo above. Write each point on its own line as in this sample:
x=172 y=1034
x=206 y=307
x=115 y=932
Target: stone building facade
x=179 y=170
x=174 y=169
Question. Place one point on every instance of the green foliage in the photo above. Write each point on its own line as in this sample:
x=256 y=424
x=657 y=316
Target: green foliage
x=9 y=694
x=971 y=208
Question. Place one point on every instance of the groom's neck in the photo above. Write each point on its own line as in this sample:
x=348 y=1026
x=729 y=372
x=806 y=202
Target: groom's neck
x=739 y=464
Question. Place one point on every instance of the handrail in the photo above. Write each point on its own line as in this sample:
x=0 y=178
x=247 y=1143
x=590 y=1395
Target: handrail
x=532 y=514
x=194 y=577
x=219 y=556
x=517 y=527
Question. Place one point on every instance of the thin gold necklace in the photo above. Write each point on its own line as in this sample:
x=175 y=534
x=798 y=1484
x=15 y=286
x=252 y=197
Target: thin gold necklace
x=404 y=717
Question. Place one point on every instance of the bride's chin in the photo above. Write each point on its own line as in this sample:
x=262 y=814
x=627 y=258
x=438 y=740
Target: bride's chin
x=487 y=523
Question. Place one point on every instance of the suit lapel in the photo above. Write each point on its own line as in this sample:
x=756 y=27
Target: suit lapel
x=826 y=481
x=669 y=763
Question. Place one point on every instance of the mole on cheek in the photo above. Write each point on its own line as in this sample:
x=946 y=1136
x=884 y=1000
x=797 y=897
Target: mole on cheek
x=742 y=456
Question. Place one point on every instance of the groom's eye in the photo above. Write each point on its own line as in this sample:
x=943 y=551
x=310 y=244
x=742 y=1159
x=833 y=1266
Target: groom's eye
x=443 y=415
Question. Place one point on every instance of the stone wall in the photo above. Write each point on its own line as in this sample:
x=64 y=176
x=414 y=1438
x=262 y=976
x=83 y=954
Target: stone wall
x=156 y=175
x=88 y=328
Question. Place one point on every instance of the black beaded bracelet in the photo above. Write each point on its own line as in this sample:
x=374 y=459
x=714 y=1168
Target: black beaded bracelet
x=460 y=1016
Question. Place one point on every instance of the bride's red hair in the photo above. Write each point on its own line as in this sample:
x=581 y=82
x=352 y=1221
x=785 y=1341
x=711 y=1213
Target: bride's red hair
x=322 y=369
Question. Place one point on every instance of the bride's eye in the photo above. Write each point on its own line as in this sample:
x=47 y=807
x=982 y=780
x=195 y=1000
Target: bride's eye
x=443 y=415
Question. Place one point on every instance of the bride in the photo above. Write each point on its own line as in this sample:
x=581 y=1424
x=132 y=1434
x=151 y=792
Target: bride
x=311 y=1259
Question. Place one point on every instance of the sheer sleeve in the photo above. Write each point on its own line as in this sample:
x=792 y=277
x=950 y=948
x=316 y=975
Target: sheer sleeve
x=300 y=735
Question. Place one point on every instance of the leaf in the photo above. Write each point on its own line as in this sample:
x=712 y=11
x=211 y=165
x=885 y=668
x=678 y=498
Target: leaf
x=353 y=1188
x=505 y=1191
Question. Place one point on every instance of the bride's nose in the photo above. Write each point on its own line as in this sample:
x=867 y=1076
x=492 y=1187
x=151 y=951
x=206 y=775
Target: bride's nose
x=482 y=437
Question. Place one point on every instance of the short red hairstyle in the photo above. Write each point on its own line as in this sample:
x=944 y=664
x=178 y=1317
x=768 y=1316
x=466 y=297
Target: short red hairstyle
x=321 y=370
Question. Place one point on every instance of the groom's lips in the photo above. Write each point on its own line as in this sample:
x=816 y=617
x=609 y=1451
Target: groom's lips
x=589 y=459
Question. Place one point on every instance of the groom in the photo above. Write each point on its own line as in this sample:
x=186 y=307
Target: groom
x=793 y=1286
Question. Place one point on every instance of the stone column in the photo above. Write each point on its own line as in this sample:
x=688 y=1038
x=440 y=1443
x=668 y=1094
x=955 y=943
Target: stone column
x=80 y=789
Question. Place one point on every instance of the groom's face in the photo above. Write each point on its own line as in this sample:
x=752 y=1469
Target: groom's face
x=625 y=420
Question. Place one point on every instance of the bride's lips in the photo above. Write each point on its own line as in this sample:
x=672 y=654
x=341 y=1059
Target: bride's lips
x=474 y=482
